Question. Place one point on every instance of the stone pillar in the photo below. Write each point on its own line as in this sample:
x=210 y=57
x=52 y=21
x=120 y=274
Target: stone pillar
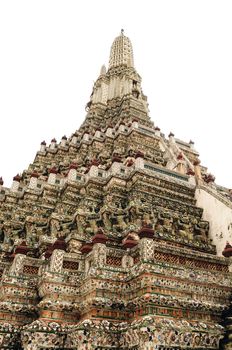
x=52 y=176
x=53 y=144
x=139 y=160
x=171 y=137
x=99 y=249
x=181 y=166
x=146 y=243
x=116 y=165
x=33 y=180
x=15 y=184
x=99 y=255
x=146 y=247
x=74 y=139
x=121 y=127
x=85 y=136
x=93 y=171
x=192 y=179
x=109 y=131
x=17 y=264
x=191 y=143
x=72 y=173
x=197 y=170
x=97 y=133
x=56 y=264
x=43 y=146
x=157 y=131
x=135 y=124
x=64 y=141
x=1 y=183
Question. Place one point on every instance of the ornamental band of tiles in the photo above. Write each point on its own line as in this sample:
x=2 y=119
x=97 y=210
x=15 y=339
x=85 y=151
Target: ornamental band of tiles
x=116 y=237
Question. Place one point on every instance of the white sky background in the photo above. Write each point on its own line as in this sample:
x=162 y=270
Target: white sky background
x=52 y=51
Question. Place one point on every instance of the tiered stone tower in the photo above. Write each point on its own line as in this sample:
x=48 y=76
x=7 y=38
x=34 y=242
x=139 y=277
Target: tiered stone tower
x=104 y=240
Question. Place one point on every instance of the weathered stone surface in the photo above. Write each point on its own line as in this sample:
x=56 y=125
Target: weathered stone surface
x=104 y=240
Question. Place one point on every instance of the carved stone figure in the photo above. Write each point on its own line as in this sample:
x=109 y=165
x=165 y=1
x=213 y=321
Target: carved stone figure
x=80 y=221
x=164 y=223
x=74 y=245
x=120 y=216
x=55 y=227
x=185 y=228
x=201 y=231
x=105 y=214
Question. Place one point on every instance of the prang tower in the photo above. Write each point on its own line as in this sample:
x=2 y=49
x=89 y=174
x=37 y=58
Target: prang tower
x=114 y=238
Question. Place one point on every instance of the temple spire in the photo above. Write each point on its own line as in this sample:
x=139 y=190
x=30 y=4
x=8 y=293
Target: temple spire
x=121 y=53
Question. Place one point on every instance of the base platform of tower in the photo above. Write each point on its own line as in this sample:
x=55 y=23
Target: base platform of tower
x=116 y=237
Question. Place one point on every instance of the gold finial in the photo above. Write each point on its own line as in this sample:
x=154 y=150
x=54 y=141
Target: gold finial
x=122 y=31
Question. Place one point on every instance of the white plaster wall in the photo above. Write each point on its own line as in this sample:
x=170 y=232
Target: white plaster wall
x=219 y=216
